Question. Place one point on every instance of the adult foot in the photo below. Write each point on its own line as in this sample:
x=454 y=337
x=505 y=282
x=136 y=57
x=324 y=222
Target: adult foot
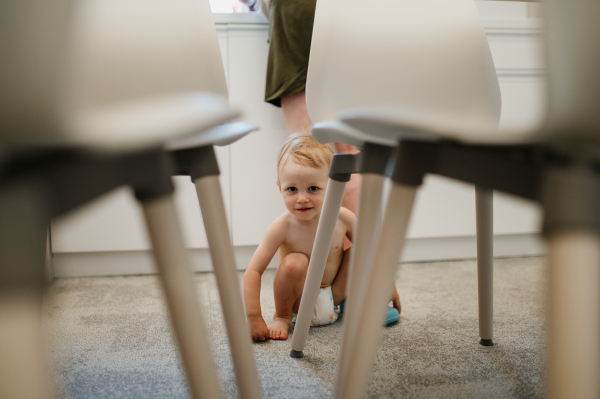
x=279 y=327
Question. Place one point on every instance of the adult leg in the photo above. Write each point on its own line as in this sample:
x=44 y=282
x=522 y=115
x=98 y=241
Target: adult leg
x=287 y=289
x=295 y=113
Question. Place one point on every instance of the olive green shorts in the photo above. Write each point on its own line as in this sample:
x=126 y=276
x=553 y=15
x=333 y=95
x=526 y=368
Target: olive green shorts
x=290 y=32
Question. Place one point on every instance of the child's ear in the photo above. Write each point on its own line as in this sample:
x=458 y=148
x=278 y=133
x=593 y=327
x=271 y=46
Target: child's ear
x=278 y=185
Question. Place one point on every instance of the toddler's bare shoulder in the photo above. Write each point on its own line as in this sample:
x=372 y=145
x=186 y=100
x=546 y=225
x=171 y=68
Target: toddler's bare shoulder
x=282 y=223
x=346 y=216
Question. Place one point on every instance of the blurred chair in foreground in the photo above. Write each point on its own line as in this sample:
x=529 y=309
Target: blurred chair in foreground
x=372 y=163
x=441 y=62
x=92 y=91
x=556 y=165
x=195 y=157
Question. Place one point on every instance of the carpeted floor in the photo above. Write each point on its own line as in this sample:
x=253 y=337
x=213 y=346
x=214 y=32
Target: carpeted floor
x=110 y=338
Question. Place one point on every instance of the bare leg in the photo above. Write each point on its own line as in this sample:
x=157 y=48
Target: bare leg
x=338 y=287
x=287 y=288
x=295 y=113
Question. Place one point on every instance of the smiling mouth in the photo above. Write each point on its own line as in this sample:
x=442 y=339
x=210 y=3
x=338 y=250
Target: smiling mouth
x=303 y=209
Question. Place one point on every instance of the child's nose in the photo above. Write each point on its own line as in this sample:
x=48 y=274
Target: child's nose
x=303 y=198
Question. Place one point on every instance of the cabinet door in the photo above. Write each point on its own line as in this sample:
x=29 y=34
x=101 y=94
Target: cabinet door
x=256 y=201
x=446 y=208
x=113 y=222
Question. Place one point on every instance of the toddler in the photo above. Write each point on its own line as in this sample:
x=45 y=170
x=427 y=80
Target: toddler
x=302 y=168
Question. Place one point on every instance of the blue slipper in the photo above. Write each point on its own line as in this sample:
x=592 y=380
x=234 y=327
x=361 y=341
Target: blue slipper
x=392 y=315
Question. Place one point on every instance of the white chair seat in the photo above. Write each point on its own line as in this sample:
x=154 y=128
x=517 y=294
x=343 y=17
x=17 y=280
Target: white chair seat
x=220 y=136
x=398 y=124
x=338 y=132
x=148 y=123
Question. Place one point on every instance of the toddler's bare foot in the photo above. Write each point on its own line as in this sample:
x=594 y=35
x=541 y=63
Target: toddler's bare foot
x=279 y=327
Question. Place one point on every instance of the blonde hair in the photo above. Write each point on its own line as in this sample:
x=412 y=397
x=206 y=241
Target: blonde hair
x=304 y=150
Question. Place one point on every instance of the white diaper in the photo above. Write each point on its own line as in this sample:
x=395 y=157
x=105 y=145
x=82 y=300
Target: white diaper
x=324 y=312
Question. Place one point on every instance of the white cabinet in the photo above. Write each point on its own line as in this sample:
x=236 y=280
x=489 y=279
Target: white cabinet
x=255 y=197
x=444 y=208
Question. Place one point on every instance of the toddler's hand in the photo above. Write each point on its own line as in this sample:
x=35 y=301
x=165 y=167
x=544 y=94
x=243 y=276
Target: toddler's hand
x=258 y=328
x=396 y=300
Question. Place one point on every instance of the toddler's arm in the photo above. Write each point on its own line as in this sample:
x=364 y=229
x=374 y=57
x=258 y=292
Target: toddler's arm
x=259 y=262
x=396 y=300
x=347 y=217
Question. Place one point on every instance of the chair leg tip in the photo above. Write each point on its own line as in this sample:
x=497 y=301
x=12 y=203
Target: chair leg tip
x=486 y=342
x=296 y=354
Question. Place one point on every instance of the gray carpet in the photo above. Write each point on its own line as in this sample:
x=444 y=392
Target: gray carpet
x=110 y=337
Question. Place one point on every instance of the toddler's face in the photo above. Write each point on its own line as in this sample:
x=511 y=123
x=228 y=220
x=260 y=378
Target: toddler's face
x=303 y=189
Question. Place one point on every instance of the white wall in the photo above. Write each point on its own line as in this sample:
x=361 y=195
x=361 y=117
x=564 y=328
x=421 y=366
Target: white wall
x=444 y=208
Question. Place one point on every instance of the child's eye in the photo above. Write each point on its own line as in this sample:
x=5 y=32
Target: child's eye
x=313 y=188
x=292 y=189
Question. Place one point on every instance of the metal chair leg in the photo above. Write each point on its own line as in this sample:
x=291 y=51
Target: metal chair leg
x=574 y=314
x=23 y=227
x=372 y=313
x=329 y=215
x=484 y=206
x=174 y=267
x=22 y=366
x=219 y=241
x=367 y=228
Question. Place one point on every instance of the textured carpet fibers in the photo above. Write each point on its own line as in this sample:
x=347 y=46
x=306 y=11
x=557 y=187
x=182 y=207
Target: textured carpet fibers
x=110 y=338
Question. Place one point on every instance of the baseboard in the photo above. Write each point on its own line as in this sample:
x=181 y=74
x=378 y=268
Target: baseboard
x=453 y=248
x=96 y=264
x=124 y=263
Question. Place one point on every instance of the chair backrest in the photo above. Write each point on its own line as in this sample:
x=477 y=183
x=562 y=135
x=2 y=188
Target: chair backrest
x=427 y=55
x=573 y=64
x=116 y=51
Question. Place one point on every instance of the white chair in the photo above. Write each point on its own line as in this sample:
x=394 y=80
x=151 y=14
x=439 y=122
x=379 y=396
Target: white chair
x=556 y=165
x=358 y=55
x=195 y=157
x=371 y=163
x=92 y=92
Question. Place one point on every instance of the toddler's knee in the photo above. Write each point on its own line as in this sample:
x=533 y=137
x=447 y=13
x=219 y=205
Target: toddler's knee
x=295 y=264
